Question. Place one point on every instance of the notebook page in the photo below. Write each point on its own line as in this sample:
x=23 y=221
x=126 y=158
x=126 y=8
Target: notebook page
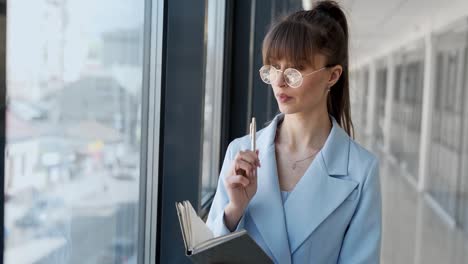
x=188 y=224
x=182 y=215
x=199 y=231
x=216 y=241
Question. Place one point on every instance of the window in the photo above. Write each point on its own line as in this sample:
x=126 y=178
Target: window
x=74 y=85
x=381 y=87
x=214 y=48
x=446 y=146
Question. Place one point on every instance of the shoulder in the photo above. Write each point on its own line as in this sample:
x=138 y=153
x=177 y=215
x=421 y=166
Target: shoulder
x=363 y=165
x=242 y=143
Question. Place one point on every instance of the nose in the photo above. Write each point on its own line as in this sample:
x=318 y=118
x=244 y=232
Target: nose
x=280 y=82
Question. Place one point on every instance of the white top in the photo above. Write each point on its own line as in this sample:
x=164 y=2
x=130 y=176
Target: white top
x=284 y=195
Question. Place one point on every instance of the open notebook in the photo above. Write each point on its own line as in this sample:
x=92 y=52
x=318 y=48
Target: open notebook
x=202 y=247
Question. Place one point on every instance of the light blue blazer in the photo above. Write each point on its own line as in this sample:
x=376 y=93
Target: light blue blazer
x=333 y=214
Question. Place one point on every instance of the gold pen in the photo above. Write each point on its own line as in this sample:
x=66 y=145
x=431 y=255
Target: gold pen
x=253 y=130
x=253 y=134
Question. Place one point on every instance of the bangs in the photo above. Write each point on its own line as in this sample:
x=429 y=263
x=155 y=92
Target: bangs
x=292 y=41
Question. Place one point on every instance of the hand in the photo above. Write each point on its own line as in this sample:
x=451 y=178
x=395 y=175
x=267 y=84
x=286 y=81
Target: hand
x=241 y=181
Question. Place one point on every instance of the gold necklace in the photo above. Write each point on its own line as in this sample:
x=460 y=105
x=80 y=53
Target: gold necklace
x=294 y=166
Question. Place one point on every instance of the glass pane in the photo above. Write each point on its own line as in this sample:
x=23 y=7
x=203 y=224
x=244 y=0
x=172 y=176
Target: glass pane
x=463 y=198
x=446 y=174
x=359 y=81
x=73 y=124
x=214 y=47
x=380 y=108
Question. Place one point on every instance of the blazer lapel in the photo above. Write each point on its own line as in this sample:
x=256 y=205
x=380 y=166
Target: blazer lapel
x=266 y=207
x=317 y=195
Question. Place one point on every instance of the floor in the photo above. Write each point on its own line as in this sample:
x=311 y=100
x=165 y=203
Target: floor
x=413 y=230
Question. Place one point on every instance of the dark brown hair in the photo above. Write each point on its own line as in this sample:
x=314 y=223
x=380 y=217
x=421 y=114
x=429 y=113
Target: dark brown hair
x=324 y=30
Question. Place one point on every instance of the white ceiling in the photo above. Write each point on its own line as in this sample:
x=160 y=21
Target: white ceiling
x=379 y=26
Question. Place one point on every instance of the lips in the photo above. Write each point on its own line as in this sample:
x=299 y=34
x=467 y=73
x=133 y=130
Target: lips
x=282 y=97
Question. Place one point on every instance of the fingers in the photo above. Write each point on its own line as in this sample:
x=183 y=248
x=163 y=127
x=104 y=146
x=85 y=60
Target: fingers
x=248 y=156
x=236 y=180
x=243 y=165
x=246 y=163
x=244 y=170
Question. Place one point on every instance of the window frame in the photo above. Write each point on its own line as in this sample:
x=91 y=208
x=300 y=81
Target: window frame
x=153 y=35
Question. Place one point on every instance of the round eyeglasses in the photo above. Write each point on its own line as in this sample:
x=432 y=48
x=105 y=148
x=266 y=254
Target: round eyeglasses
x=292 y=77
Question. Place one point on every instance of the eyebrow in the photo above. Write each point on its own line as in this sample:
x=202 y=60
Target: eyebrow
x=292 y=65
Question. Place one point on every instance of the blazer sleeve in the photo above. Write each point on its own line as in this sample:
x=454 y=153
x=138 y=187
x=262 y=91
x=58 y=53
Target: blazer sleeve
x=361 y=243
x=215 y=220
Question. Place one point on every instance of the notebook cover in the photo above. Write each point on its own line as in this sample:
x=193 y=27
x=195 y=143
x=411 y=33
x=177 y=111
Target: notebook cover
x=242 y=249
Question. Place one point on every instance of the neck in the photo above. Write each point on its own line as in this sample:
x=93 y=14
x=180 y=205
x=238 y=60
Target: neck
x=301 y=132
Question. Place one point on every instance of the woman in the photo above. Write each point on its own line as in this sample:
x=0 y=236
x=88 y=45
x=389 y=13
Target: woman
x=310 y=193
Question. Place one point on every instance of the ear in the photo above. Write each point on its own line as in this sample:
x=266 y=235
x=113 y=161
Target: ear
x=335 y=73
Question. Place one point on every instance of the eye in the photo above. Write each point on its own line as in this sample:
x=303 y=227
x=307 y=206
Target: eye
x=299 y=67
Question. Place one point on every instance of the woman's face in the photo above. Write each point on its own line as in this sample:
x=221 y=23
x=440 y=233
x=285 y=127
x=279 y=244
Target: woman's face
x=311 y=95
